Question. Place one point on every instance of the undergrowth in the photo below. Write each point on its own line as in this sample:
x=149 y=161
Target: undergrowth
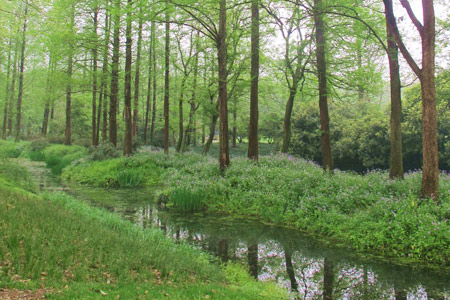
x=79 y=252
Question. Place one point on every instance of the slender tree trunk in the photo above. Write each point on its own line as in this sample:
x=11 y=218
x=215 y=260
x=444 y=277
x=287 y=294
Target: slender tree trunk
x=114 y=77
x=166 y=84
x=396 y=166
x=180 y=114
x=128 y=141
x=224 y=148
x=325 y=140
x=254 y=115
x=103 y=102
x=12 y=94
x=7 y=92
x=137 y=76
x=152 y=126
x=234 y=133
x=193 y=107
x=68 y=131
x=22 y=63
x=94 y=80
x=149 y=87
x=212 y=133
x=49 y=95
x=287 y=119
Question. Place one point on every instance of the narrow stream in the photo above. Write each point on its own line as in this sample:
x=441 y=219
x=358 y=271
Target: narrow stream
x=309 y=268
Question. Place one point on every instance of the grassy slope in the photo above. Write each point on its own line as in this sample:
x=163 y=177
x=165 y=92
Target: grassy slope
x=79 y=252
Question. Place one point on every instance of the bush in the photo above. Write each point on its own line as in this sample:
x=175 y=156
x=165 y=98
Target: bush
x=57 y=157
x=11 y=149
x=104 y=151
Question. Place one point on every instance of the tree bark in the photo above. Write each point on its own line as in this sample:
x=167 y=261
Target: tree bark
x=290 y=270
x=224 y=149
x=7 y=91
x=254 y=115
x=137 y=76
x=149 y=85
x=94 y=79
x=22 y=63
x=166 y=84
x=152 y=127
x=128 y=140
x=103 y=103
x=325 y=140
x=68 y=130
x=426 y=75
x=180 y=114
x=287 y=119
x=396 y=162
x=114 y=77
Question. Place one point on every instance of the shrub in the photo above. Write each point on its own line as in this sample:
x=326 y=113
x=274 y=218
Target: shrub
x=57 y=157
x=104 y=151
x=11 y=149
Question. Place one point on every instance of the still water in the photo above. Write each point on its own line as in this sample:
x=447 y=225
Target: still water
x=308 y=267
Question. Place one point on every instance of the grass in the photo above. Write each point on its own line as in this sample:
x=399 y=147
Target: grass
x=370 y=213
x=80 y=252
x=367 y=212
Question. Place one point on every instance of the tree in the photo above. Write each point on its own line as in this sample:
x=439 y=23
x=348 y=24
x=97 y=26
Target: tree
x=114 y=77
x=430 y=170
x=253 y=126
x=71 y=42
x=22 y=63
x=325 y=140
x=167 y=81
x=128 y=140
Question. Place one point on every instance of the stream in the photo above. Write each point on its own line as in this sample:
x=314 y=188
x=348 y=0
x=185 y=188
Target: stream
x=308 y=267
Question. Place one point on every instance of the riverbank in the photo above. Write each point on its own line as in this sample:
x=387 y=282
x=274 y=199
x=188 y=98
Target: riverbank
x=369 y=213
x=51 y=243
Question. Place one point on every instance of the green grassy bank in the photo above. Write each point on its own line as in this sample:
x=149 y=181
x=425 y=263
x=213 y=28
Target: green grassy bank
x=369 y=213
x=74 y=251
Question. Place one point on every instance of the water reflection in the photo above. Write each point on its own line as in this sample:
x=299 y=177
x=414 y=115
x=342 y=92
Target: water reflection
x=310 y=269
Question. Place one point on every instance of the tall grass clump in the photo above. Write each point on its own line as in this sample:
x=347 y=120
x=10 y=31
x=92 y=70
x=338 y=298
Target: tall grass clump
x=187 y=200
x=124 y=172
x=57 y=157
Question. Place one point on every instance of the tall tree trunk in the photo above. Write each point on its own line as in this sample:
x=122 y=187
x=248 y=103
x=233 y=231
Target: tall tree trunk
x=325 y=140
x=396 y=162
x=149 y=85
x=152 y=126
x=254 y=115
x=430 y=170
x=7 y=91
x=22 y=63
x=128 y=141
x=234 y=133
x=166 y=83
x=114 y=77
x=68 y=130
x=49 y=93
x=94 y=80
x=12 y=94
x=224 y=148
x=138 y=70
x=103 y=102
